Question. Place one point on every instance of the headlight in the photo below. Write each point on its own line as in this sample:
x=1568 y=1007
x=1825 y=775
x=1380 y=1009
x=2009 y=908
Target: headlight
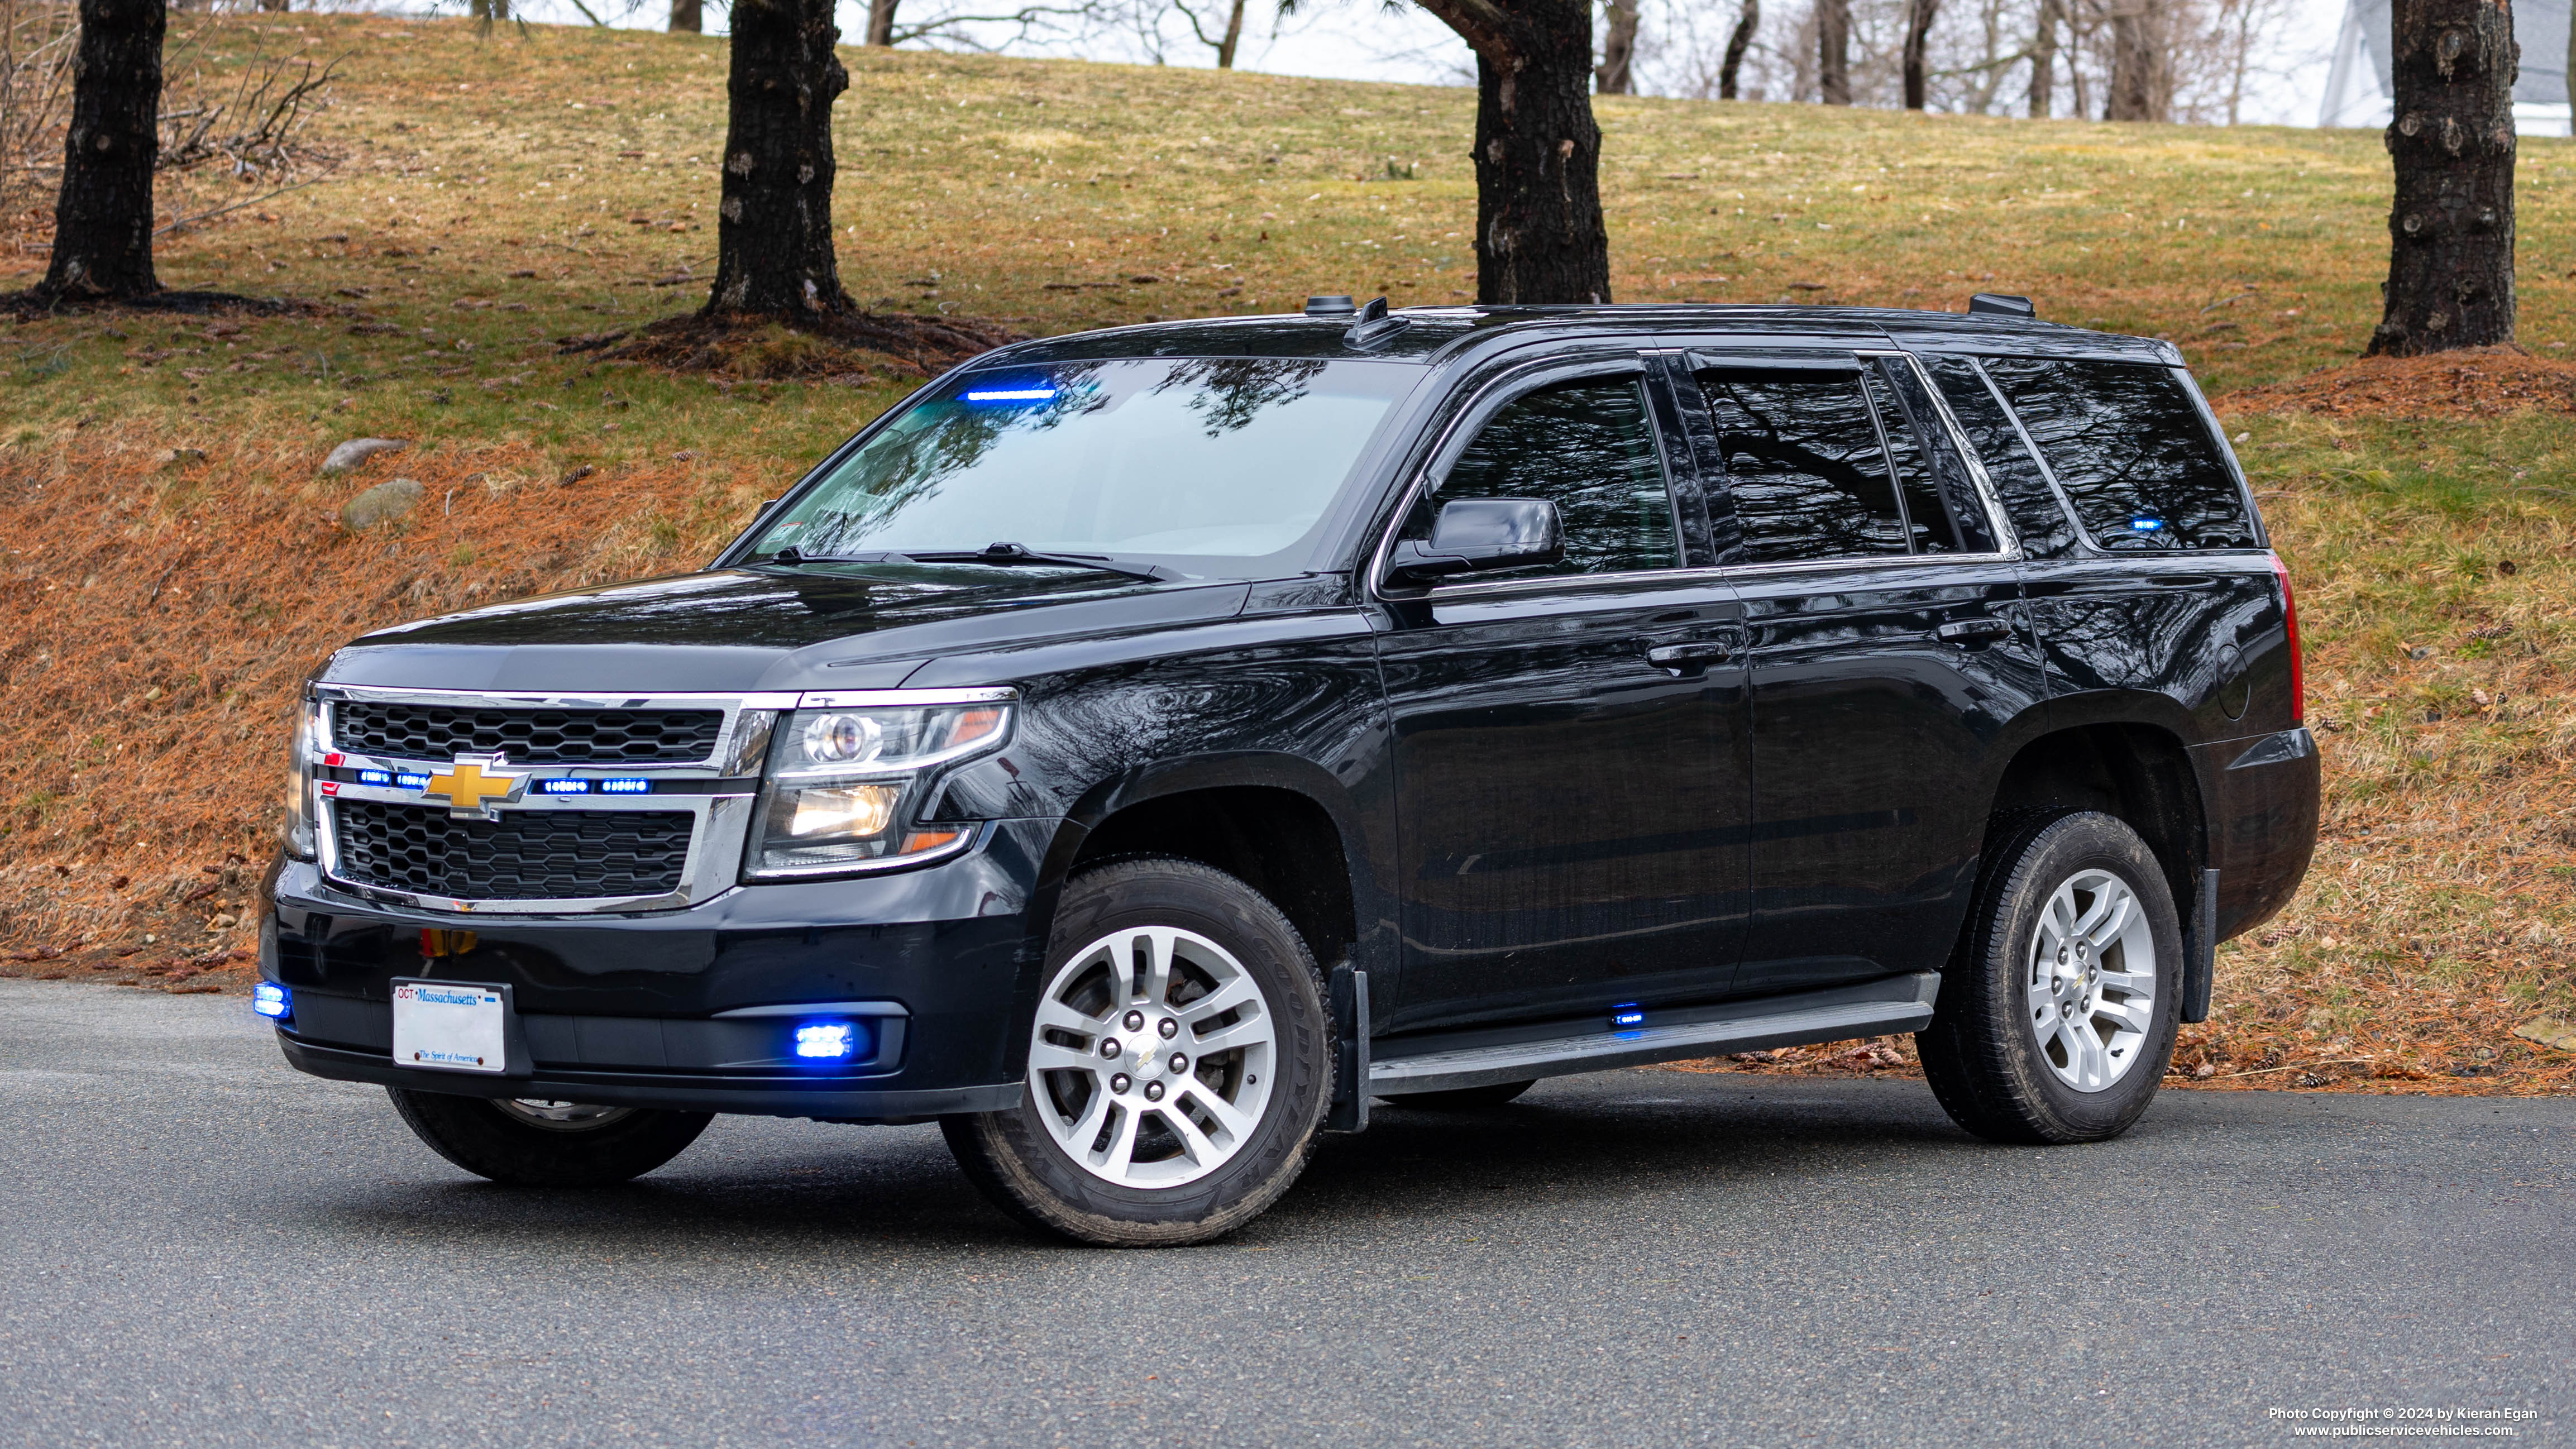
x=846 y=785
x=299 y=779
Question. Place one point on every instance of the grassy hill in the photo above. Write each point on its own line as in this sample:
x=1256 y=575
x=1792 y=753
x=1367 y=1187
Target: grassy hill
x=175 y=565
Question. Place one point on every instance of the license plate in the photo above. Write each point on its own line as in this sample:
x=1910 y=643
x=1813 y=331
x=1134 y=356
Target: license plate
x=453 y=1028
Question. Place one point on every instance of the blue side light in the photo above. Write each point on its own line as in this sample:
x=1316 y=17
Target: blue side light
x=624 y=787
x=1011 y=395
x=375 y=777
x=2147 y=525
x=566 y=787
x=828 y=1041
x=1627 y=1016
x=272 y=1001
x=412 y=782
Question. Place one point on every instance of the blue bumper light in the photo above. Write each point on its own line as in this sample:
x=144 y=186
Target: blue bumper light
x=827 y=1041
x=272 y=1001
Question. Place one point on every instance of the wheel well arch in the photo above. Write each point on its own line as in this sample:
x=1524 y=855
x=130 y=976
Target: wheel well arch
x=1282 y=842
x=2139 y=773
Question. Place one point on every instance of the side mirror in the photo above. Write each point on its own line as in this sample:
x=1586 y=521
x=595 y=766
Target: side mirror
x=1473 y=535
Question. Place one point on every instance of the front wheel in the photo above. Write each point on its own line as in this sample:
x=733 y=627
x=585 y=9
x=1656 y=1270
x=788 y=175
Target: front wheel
x=2056 y=1021
x=1179 y=1064
x=534 y=1143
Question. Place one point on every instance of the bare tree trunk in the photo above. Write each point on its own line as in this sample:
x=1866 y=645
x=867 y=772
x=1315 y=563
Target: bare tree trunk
x=1618 y=49
x=2450 y=263
x=881 y=22
x=103 y=215
x=489 y=11
x=2043 y=61
x=688 y=17
x=1539 y=231
x=2141 y=71
x=774 y=229
x=1833 y=51
x=274 y=7
x=1233 y=37
x=1748 y=21
x=1918 y=35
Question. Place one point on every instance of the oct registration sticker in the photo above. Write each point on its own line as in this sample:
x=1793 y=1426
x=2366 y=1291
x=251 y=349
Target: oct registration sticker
x=455 y=1028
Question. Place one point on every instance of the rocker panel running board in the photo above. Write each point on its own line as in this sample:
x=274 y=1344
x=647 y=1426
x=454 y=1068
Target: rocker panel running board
x=1899 y=1003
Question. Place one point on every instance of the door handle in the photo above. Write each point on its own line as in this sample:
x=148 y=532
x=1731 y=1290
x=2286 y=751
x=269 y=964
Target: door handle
x=1973 y=632
x=1698 y=654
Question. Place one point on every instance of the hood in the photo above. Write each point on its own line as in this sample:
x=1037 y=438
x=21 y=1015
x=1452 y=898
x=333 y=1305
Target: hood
x=765 y=628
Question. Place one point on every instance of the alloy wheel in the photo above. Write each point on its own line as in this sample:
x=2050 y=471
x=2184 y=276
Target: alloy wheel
x=2092 y=980
x=1152 y=1057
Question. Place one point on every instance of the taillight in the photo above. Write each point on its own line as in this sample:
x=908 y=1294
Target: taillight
x=2298 y=668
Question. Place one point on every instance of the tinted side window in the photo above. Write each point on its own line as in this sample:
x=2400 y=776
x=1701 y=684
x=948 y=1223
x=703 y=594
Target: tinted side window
x=1944 y=507
x=1588 y=449
x=1804 y=465
x=2015 y=471
x=2129 y=449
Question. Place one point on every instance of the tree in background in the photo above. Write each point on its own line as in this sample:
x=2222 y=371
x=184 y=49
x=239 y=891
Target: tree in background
x=1730 y=70
x=1617 y=73
x=2043 y=58
x=1833 y=51
x=688 y=17
x=881 y=22
x=2141 y=63
x=2450 y=231
x=1918 y=38
x=103 y=215
x=1539 y=231
x=774 y=225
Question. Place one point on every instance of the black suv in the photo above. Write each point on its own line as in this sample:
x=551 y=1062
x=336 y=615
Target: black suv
x=1140 y=749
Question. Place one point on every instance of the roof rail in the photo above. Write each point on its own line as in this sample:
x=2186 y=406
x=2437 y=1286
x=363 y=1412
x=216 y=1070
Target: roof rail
x=2001 y=304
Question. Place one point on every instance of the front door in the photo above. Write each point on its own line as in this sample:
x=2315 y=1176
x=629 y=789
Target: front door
x=1889 y=649
x=1568 y=740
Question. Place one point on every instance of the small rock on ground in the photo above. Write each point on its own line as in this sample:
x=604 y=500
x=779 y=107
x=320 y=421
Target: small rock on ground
x=350 y=454
x=381 y=504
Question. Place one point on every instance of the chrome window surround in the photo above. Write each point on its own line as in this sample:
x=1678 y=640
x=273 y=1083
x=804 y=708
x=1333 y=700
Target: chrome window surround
x=721 y=823
x=1452 y=438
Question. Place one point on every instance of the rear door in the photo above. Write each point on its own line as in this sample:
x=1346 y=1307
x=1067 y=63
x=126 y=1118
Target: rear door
x=1888 y=652
x=1572 y=785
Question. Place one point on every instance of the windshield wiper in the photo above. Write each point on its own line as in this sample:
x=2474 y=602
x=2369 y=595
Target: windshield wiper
x=1002 y=554
x=1016 y=553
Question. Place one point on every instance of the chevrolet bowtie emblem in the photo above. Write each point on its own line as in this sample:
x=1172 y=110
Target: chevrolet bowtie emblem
x=474 y=784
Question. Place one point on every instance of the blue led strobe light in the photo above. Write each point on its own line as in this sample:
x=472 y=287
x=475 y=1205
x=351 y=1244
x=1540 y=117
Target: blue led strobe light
x=375 y=777
x=2147 y=525
x=272 y=1001
x=412 y=782
x=1011 y=394
x=1627 y=1016
x=625 y=787
x=566 y=787
x=827 y=1041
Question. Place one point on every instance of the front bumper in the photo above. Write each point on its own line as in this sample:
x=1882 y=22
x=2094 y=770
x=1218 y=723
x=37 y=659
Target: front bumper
x=632 y=1010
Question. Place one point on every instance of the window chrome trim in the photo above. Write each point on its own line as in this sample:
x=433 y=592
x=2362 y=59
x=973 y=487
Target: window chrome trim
x=1500 y=391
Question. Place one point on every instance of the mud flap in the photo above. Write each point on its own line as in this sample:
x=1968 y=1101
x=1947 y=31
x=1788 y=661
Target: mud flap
x=2200 y=950
x=1350 y=1110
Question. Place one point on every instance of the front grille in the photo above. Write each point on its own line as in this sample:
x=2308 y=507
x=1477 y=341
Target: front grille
x=525 y=855
x=527 y=736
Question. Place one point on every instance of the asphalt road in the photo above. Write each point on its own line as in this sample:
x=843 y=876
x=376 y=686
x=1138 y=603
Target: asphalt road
x=200 y=1247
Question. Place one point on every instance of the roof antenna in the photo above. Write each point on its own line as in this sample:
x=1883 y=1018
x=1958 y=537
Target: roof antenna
x=2000 y=304
x=1332 y=305
x=1374 y=326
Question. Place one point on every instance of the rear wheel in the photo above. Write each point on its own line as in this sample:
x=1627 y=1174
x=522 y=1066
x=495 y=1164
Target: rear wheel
x=2056 y=1022
x=534 y=1143
x=1179 y=1064
x=1462 y=1099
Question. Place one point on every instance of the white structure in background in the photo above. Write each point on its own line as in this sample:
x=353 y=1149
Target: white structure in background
x=2358 y=98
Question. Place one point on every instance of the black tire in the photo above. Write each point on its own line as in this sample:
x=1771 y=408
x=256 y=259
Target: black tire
x=1462 y=1099
x=486 y=1138
x=1013 y=1156
x=1984 y=1052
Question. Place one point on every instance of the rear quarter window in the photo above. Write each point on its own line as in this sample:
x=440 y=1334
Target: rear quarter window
x=2129 y=448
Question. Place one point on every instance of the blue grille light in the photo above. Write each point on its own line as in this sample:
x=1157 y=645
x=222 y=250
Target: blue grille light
x=625 y=787
x=1011 y=394
x=272 y=1001
x=829 y=1041
x=412 y=782
x=375 y=777
x=566 y=787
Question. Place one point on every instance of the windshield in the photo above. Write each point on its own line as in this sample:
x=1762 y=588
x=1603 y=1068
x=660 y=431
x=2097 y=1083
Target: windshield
x=1211 y=466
